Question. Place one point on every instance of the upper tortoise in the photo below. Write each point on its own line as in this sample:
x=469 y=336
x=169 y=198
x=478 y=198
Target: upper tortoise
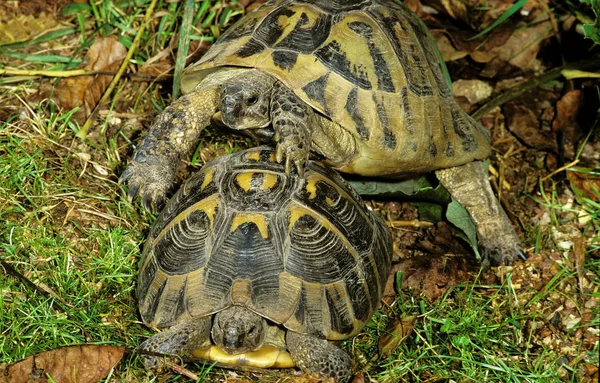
x=255 y=259
x=357 y=81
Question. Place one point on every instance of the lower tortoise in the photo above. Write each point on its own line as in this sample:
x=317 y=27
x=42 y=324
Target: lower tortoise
x=356 y=81
x=247 y=258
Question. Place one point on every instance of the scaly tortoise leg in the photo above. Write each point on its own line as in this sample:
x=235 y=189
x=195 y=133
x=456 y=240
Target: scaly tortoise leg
x=319 y=357
x=334 y=142
x=291 y=118
x=151 y=172
x=469 y=185
x=180 y=340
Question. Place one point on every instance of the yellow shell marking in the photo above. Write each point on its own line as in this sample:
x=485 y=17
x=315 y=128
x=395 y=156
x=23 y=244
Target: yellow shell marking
x=254 y=156
x=269 y=181
x=244 y=180
x=257 y=219
x=265 y=357
x=208 y=206
x=311 y=186
x=208 y=177
x=289 y=23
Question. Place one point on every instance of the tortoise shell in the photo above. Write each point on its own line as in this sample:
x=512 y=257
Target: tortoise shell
x=304 y=253
x=368 y=65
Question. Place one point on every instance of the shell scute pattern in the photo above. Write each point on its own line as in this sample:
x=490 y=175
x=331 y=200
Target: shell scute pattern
x=304 y=259
x=368 y=66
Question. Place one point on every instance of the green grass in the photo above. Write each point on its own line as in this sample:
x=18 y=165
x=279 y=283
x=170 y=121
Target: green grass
x=66 y=226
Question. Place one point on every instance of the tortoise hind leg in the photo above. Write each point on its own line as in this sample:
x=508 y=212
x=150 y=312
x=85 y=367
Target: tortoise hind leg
x=319 y=357
x=180 y=340
x=469 y=185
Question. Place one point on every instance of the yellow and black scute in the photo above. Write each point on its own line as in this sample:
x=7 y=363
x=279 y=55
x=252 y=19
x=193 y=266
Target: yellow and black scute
x=305 y=253
x=367 y=65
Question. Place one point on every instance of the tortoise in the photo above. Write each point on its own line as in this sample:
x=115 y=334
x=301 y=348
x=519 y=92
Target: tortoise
x=355 y=81
x=250 y=257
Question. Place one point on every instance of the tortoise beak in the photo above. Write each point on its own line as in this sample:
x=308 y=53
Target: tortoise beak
x=233 y=339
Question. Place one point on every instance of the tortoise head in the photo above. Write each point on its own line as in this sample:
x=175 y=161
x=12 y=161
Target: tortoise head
x=237 y=330
x=244 y=100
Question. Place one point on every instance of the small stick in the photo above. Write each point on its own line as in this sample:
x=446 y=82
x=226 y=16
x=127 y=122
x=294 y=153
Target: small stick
x=560 y=170
x=411 y=223
x=13 y=272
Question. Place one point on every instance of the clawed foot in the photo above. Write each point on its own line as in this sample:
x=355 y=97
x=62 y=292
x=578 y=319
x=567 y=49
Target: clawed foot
x=500 y=244
x=295 y=149
x=150 y=177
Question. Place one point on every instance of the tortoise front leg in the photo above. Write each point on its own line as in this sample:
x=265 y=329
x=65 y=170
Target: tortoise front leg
x=151 y=172
x=469 y=185
x=319 y=357
x=181 y=339
x=291 y=118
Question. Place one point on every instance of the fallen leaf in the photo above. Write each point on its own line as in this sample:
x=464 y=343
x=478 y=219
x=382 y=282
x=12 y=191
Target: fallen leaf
x=250 y=5
x=71 y=364
x=508 y=46
x=396 y=333
x=567 y=109
x=475 y=91
x=154 y=71
x=18 y=28
x=584 y=183
x=522 y=48
x=457 y=9
x=524 y=124
x=104 y=55
x=429 y=275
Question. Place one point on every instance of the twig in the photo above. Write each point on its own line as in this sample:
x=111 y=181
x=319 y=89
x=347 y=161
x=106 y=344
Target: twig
x=82 y=133
x=534 y=83
x=560 y=170
x=13 y=272
x=72 y=73
x=49 y=73
x=411 y=223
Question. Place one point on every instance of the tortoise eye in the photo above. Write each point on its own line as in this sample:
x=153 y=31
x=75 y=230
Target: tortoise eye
x=251 y=100
x=251 y=331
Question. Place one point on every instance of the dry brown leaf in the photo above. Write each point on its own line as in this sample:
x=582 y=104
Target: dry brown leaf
x=522 y=48
x=524 y=124
x=154 y=71
x=456 y=9
x=584 y=184
x=72 y=364
x=396 y=333
x=430 y=275
x=250 y=5
x=104 y=55
x=14 y=29
x=567 y=110
x=475 y=91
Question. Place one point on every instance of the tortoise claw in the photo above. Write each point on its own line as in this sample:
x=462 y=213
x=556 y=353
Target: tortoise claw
x=300 y=166
x=150 y=180
x=279 y=153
